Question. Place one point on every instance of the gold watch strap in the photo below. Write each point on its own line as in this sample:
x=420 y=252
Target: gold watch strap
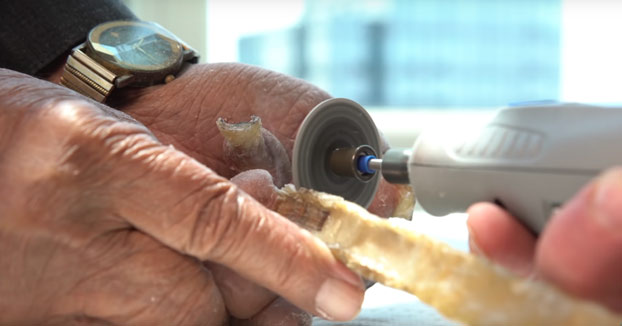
x=87 y=77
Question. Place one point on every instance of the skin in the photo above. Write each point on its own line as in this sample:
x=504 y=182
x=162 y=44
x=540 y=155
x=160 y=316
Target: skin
x=104 y=222
x=234 y=92
x=127 y=216
x=580 y=250
x=559 y=255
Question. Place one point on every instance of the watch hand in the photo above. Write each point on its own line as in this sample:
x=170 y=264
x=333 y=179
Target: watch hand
x=137 y=46
x=137 y=43
x=147 y=54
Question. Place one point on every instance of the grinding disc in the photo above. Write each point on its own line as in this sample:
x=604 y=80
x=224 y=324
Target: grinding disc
x=332 y=124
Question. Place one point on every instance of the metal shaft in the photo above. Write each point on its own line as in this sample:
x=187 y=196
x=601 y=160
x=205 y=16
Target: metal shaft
x=375 y=164
x=361 y=163
x=344 y=162
x=394 y=165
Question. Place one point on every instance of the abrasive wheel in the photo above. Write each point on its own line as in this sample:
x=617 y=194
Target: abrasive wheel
x=333 y=126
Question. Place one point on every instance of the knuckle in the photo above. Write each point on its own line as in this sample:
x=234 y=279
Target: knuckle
x=35 y=165
x=230 y=230
x=75 y=147
x=216 y=226
x=91 y=141
x=283 y=274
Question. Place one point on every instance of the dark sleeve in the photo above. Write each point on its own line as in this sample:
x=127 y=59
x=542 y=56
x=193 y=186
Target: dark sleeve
x=36 y=32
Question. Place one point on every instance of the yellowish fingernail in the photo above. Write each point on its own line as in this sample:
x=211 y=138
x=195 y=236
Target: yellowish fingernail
x=338 y=300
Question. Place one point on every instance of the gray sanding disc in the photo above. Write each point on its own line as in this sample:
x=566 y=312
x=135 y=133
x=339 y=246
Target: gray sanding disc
x=334 y=123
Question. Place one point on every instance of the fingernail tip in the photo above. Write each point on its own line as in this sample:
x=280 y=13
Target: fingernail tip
x=338 y=300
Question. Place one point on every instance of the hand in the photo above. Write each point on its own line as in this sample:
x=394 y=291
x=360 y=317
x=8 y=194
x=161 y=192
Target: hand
x=183 y=113
x=580 y=250
x=100 y=222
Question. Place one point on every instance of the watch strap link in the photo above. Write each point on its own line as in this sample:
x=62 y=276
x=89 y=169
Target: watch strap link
x=87 y=77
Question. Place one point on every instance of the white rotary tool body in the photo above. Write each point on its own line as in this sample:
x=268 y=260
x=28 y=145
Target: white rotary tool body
x=527 y=159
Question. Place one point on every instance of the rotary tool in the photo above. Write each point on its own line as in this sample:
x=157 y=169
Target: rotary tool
x=528 y=159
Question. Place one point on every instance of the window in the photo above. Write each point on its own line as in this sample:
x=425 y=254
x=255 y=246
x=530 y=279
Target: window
x=422 y=53
x=448 y=54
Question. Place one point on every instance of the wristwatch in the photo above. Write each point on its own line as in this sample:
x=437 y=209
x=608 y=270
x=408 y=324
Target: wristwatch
x=124 y=53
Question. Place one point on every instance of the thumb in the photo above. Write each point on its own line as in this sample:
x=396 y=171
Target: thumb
x=581 y=248
x=189 y=208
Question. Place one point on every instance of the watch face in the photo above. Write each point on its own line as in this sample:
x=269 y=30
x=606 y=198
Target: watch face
x=135 y=46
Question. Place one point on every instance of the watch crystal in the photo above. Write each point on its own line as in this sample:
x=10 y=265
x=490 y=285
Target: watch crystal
x=136 y=46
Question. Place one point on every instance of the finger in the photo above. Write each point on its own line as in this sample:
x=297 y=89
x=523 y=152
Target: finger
x=581 y=248
x=242 y=297
x=191 y=209
x=180 y=116
x=385 y=200
x=259 y=184
x=495 y=234
x=138 y=281
x=280 y=312
x=393 y=200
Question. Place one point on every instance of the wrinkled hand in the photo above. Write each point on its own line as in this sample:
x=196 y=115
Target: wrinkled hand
x=101 y=222
x=184 y=113
x=580 y=249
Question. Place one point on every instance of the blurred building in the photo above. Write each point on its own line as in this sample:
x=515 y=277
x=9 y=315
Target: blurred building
x=420 y=53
